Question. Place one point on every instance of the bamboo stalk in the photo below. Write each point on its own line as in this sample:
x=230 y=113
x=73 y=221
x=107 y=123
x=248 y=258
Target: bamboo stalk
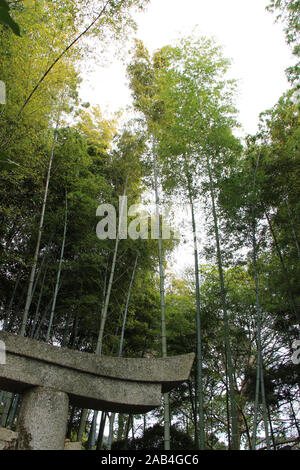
x=58 y=272
x=40 y=231
x=234 y=425
x=167 y=443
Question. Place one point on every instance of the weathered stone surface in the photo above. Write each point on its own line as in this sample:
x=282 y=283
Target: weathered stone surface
x=43 y=420
x=49 y=377
x=73 y=446
x=103 y=383
x=166 y=371
x=8 y=439
x=84 y=390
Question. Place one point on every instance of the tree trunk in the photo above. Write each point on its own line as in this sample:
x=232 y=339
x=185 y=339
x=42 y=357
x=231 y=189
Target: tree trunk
x=127 y=305
x=109 y=287
x=259 y=366
x=167 y=444
x=82 y=426
x=37 y=310
x=37 y=247
x=92 y=433
x=111 y=431
x=121 y=422
x=112 y=417
x=70 y=424
x=6 y=408
x=8 y=310
x=194 y=412
x=226 y=321
x=58 y=272
x=101 y=430
x=201 y=442
x=258 y=335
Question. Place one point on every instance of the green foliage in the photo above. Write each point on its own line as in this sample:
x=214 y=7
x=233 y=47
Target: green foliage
x=288 y=12
x=6 y=19
x=184 y=103
x=153 y=439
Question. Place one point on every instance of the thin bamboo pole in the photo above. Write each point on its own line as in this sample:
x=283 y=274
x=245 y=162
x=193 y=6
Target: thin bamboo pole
x=167 y=440
x=112 y=418
x=59 y=271
x=40 y=231
x=233 y=409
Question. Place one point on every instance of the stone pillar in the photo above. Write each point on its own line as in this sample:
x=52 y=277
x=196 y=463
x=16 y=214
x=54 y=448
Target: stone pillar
x=43 y=419
x=8 y=439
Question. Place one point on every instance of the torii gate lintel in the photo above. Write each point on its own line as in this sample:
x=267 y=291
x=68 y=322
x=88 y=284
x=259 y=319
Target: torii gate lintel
x=51 y=377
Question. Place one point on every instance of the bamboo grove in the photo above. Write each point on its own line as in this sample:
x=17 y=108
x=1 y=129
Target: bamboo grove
x=237 y=305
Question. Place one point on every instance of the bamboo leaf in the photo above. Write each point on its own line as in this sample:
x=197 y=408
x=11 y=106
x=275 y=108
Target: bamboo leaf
x=6 y=163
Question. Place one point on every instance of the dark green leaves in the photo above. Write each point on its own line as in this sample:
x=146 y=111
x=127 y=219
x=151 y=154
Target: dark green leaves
x=6 y=19
x=6 y=163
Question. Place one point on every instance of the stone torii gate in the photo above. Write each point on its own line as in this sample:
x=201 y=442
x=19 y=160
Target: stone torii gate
x=50 y=378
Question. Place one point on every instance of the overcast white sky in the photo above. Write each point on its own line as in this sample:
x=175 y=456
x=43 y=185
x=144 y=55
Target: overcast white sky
x=243 y=27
